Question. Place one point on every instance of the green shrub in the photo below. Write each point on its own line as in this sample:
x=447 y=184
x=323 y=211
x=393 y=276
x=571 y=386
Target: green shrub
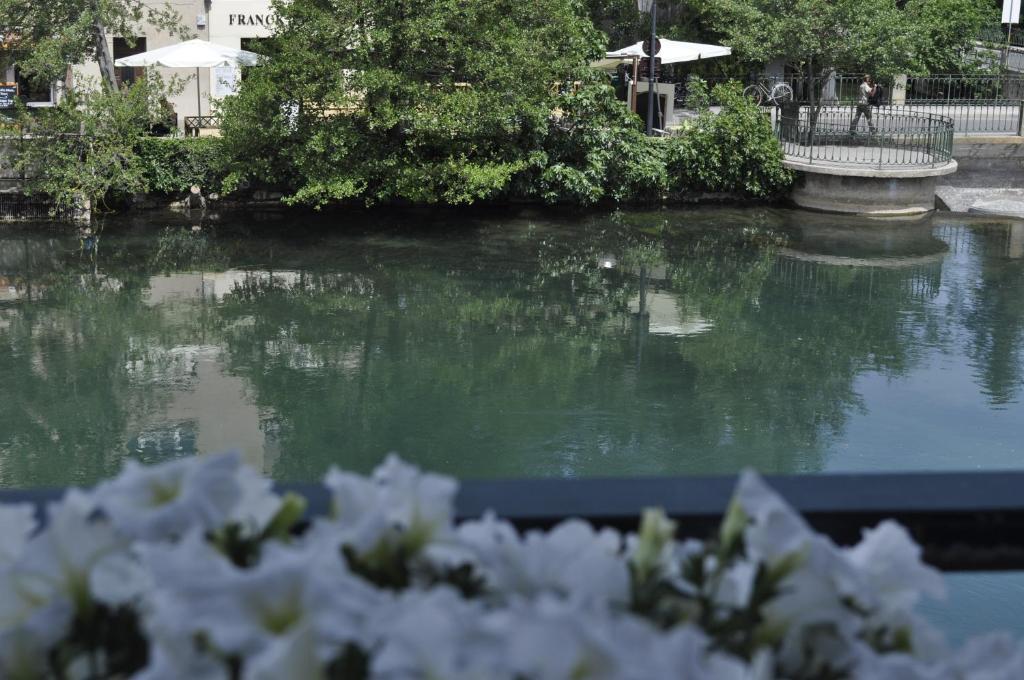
x=595 y=151
x=171 y=165
x=733 y=151
x=698 y=97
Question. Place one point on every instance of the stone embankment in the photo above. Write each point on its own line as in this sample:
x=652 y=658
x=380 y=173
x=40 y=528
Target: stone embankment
x=990 y=178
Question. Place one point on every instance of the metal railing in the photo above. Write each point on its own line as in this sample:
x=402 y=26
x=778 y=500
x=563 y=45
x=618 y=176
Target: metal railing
x=963 y=521
x=842 y=135
x=977 y=117
x=972 y=117
x=845 y=88
x=193 y=124
x=995 y=34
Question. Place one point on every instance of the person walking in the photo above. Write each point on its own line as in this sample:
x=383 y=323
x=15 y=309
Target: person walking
x=865 y=94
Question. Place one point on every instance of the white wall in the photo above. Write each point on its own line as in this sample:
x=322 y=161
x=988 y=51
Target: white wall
x=223 y=27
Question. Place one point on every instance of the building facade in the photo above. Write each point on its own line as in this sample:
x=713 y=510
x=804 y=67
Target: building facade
x=233 y=23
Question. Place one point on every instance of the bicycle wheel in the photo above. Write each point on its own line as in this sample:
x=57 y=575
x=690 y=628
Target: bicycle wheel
x=755 y=93
x=782 y=93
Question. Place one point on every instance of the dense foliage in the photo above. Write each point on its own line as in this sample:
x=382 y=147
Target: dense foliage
x=422 y=111
x=196 y=568
x=42 y=38
x=171 y=165
x=594 y=151
x=84 y=148
x=95 y=147
x=884 y=37
x=441 y=102
x=733 y=151
x=597 y=152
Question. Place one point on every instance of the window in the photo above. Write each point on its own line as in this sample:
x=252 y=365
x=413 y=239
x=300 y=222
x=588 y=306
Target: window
x=32 y=91
x=254 y=44
x=123 y=48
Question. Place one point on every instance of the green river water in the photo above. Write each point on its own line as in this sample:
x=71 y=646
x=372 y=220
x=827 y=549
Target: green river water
x=519 y=345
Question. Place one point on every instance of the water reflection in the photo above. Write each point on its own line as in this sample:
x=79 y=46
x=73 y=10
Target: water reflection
x=672 y=342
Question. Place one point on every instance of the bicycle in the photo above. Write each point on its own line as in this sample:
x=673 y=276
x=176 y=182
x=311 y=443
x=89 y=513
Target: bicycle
x=778 y=94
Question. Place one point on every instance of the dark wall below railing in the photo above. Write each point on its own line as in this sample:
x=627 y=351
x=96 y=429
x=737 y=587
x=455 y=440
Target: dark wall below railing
x=964 y=521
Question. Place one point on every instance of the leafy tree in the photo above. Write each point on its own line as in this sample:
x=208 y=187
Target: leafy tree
x=677 y=19
x=816 y=36
x=733 y=151
x=597 y=151
x=86 y=147
x=43 y=38
x=392 y=101
x=946 y=30
x=619 y=19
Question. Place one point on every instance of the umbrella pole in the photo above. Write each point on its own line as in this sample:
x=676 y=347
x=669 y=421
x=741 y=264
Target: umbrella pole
x=636 y=63
x=199 y=104
x=652 y=80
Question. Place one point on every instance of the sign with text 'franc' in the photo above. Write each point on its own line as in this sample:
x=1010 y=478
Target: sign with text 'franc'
x=1011 y=11
x=242 y=19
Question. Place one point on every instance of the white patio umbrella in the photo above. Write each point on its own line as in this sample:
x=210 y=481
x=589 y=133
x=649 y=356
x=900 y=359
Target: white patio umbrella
x=195 y=54
x=674 y=51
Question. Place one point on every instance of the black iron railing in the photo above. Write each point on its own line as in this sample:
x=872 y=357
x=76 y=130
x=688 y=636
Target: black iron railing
x=974 y=117
x=845 y=135
x=193 y=124
x=964 y=521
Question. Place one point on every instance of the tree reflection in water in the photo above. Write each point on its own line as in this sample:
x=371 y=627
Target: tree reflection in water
x=657 y=343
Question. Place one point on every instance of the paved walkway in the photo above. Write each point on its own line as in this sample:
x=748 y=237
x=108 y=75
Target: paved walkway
x=1008 y=202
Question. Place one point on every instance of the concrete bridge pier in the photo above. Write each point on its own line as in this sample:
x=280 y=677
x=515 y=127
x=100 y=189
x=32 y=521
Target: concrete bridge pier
x=880 y=191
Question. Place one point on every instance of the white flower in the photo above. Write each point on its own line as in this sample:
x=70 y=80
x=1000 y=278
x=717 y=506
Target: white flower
x=995 y=656
x=774 y=530
x=811 y=609
x=258 y=504
x=168 y=500
x=398 y=506
x=890 y=563
x=244 y=611
x=870 y=665
x=816 y=580
x=552 y=639
x=120 y=579
x=50 y=579
x=572 y=560
x=17 y=524
x=685 y=653
x=735 y=585
x=174 y=658
x=435 y=634
x=292 y=656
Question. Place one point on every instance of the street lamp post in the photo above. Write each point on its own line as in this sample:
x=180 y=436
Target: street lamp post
x=650 y=6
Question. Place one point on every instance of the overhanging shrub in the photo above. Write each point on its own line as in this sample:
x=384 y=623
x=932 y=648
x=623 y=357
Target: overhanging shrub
x=732 y=151
x=171 y=165
x=595 y=151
